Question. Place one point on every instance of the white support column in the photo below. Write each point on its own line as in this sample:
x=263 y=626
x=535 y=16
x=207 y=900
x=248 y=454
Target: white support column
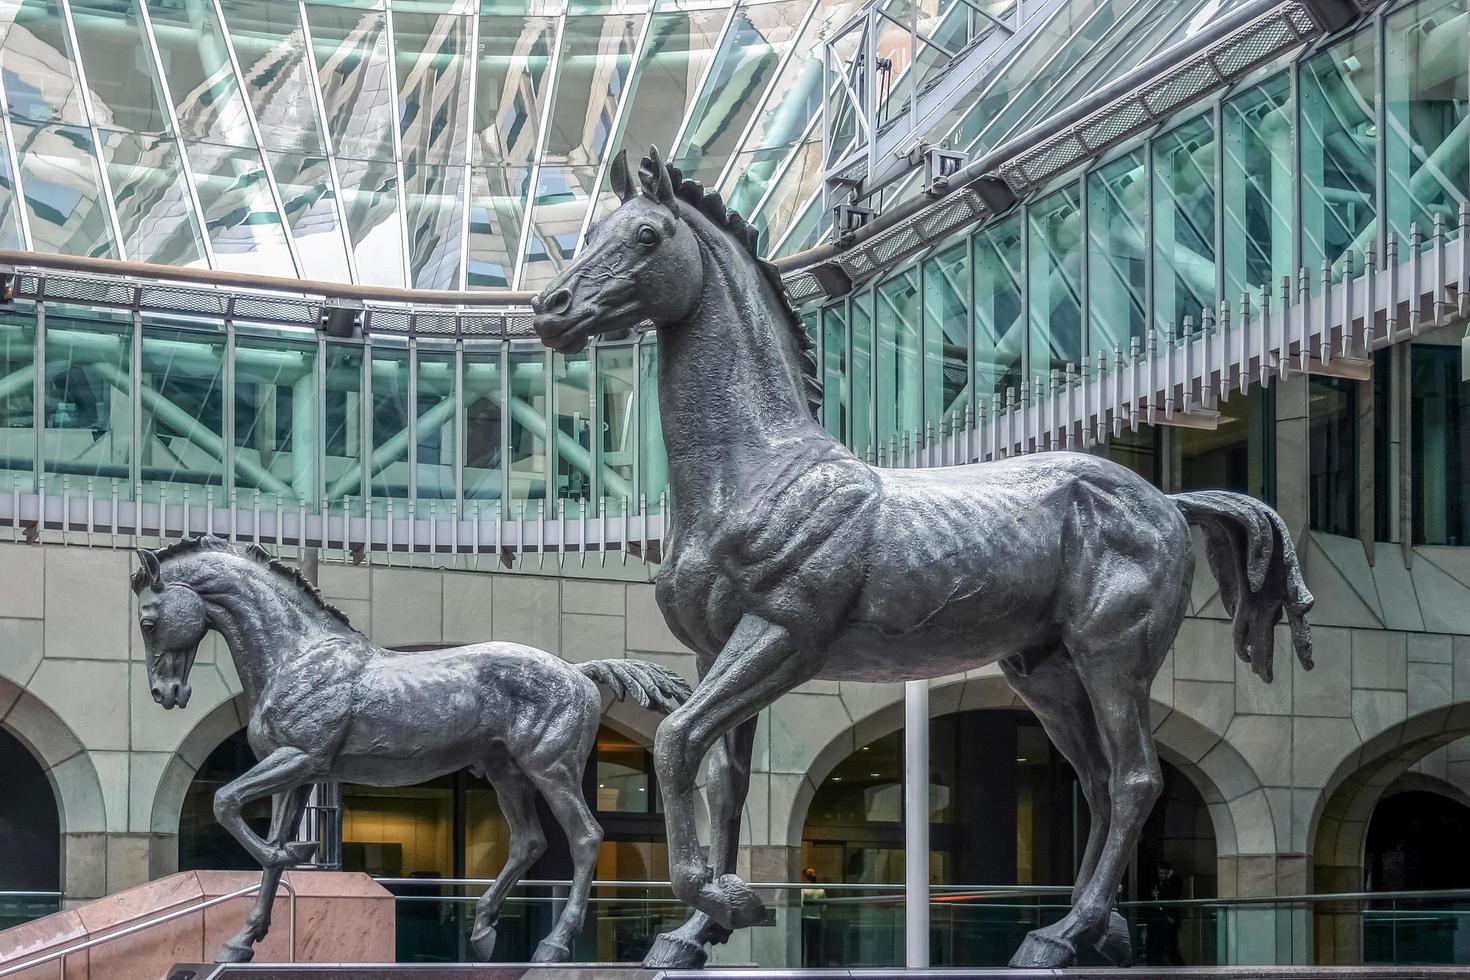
x=916 y=823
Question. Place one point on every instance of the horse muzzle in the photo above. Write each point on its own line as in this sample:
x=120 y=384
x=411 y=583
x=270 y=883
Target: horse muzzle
x=172 y=694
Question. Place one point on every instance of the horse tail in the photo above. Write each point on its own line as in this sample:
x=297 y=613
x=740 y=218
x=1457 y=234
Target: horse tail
x=651 y=685
x=1253 y=558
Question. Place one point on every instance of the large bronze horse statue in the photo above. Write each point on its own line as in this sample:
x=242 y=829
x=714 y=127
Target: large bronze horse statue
x=326 y=703
x=793 y=560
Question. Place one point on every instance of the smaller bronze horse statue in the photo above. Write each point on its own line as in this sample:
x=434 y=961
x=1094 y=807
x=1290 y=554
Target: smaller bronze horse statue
x=326 y=703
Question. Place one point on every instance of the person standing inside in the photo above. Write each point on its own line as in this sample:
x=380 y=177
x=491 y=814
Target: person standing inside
x=813 y=904
x=1163 y=921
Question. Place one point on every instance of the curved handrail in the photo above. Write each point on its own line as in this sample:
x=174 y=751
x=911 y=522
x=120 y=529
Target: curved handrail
x=136 y=927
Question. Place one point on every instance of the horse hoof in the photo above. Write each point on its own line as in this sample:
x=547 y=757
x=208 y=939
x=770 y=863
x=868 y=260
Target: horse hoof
x=482 y=941
x=1042 y=952
x=671 y=952
x=235 y=954
x=300 y=851
x=550 y=952
x=1116 y=944
x=733 y=904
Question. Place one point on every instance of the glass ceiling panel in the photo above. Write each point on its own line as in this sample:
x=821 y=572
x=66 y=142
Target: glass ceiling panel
x=351 y=48
x=10 y=236
x=556 y=221
x=40 y=85
x=679 y=47
x=510 y=83
x=118 y=66
x=743 y=68
x=239 y=215
x=63 y=191
x=271 y=48
x=307 y=197
x=196 y=64
x=370 y=203
x=151 y=198
x=497 y=206
x=435 y=222
x=433 y=86
x=596 y=53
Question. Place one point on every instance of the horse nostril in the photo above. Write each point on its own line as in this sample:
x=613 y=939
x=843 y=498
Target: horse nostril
x=558 y=302
x=157 y=694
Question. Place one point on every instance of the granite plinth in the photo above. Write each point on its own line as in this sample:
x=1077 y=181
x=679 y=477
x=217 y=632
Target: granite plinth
x=618 y=971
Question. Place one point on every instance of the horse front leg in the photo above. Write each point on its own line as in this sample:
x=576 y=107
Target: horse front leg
x=517 y=798
x=286 y=813
x=758 y=664
x=283 y=769
x=726 y=789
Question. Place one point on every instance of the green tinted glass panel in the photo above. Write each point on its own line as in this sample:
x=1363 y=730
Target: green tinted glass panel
x=151 y=198
x=392 y=422
x=1117 y=208
x=653 y=462
x=834 y=371
x=40 y=82
x=572 y=400
x=183 y=387
x=1339 y=140
x=897 y=362
x=860 y=438
x=1000 y=324
x=435 y=439
x=482 y=424
x=18 y=400
x=88 y=407
x=1054 y=278
x=528 y=408
x=239 y=212
x=1184 y=223
x=343 y=411
x=946 y=336
x=119 y=66
x=618 y=419
x=277 y=435
x=1259 y=190
x=65 y=204
x=196 y=64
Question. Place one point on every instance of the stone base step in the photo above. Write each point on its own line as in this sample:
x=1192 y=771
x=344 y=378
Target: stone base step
x=620 y=971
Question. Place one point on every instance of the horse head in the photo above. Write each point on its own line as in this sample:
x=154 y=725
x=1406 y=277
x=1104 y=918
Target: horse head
x=173 y=620
x=641 y=263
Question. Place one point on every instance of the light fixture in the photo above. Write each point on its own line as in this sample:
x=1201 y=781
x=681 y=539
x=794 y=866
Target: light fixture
x=873 y=774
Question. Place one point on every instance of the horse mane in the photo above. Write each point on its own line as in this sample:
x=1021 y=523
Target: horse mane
x=712 y=206
x=256 y=554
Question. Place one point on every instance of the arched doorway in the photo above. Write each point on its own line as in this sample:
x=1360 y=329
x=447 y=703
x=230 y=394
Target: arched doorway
x=30 y=836
x=451 y=827
x=1415 y=842
x=1006 y=810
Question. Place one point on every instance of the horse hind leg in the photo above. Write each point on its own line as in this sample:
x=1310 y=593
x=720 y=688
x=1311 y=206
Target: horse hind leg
x=561 y=787
x=1054 y=692
x=286 y=810
x=517 y=798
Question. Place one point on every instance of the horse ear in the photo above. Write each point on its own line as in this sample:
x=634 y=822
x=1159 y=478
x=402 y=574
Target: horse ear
x=622 y=184
x=213 y=542
x=152 y=570
x=254 y=550
x=655 y=179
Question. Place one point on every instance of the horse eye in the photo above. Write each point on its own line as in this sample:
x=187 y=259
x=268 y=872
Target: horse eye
x=647 y=236
x=148 y=626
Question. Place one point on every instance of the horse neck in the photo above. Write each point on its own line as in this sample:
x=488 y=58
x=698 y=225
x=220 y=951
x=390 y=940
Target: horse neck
x=730 y=385
x=265 y=620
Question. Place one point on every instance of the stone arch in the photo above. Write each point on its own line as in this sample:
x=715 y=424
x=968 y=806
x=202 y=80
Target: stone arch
x=81 y=808
x=222 y=721
x=1225 y=780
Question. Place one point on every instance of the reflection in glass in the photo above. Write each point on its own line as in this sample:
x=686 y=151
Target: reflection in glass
x=528 y=397
x=370 y=205
x=556 y=221
x=834 y=373
x=1259 y=189
x=10 y=231
x=497 y=203
x=391 y=423
x=63 y=191
x=1239 y=455
x=482 y=423
x=119 y=66
x=1000 y=326
x=183 y=413
x=1339 y=139
x=17 y=401
x=433 y=87
x=653 y=462
x=270 y=45
x=573 y=406
x=277 y=437
x=435 y=197
x=196 y=66
x=1117 y=207
x=40 y=85
x=1184 y=223
x=307 y=198
x=1428 y=110
x=351 y=48
x=434 y=435
x=151 y=197
x=88 y=409
x=679 y=46
x=343 y=412
x=1054 y=282
x=860 y=437
x=239 y=214
x=596 y=53
x=946 y=336
x=896 y=360
x=618 y=420
x=510 y=85
x=1332 y=414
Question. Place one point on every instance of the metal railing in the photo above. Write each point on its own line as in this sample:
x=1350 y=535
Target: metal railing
x=52 y=956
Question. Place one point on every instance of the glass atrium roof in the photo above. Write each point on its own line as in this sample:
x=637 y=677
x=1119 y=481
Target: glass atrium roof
x=440 y=144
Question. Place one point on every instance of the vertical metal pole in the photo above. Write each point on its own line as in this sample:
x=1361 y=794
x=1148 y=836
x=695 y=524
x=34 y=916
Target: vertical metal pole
x=916 y=823
x=323 y=823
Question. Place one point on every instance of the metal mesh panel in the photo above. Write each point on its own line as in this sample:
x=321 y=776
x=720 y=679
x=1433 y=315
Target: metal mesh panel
x=519 y=325
x=109 y=292
x=1052 y=157
x=857 y=263
x=268 y=309
x=1253 y=46
x=802 y=286
x=1302 y=20
x=1179 y=86
x=1114 y=123
x=434 y=323
x=170 y=299
x=480 y=326
x=387 y=319
x=900 y=241
x=952 y=213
